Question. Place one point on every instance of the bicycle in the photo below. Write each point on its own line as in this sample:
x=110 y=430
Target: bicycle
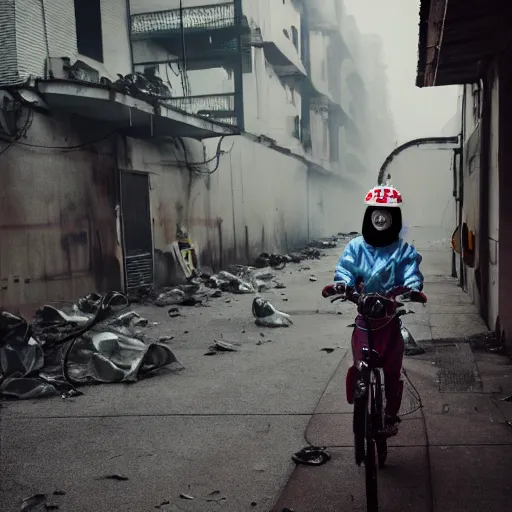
x=368 y=394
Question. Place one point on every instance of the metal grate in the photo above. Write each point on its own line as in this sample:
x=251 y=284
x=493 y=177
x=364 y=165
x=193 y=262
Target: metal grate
x=198 y=18
x=218 y=107
x=139 y=271
x=457 y=370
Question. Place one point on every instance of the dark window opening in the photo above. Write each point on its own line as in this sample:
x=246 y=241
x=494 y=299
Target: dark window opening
x=88 y=28
x=295 y=37
x=296 y=127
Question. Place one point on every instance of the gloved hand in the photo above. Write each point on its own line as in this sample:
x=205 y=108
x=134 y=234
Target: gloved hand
x=417 y=296
x=334 y=289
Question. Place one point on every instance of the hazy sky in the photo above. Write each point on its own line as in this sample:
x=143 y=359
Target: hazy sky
x=417 y=112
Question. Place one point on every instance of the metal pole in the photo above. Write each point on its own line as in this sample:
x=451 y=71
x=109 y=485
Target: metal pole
x=438 y=141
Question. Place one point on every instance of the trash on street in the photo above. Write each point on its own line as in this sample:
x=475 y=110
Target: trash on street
x=268 y=316
x=312 y=456
x=94 y=342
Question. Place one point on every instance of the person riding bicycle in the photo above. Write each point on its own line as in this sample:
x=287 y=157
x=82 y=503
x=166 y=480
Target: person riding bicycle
x=379 y=246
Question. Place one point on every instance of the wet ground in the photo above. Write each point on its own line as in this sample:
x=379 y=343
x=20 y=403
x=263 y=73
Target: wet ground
x=223 y=429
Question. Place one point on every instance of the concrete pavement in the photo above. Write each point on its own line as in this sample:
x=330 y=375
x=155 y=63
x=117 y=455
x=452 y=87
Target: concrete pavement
x=222 y=430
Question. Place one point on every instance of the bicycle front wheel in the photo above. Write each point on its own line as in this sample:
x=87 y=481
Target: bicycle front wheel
x=372 y=499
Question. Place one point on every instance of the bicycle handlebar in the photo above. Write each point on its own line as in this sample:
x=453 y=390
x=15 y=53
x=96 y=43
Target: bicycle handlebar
x=405 y=294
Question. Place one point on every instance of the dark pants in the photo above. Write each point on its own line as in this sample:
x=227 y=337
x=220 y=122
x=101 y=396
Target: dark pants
x=388 y=342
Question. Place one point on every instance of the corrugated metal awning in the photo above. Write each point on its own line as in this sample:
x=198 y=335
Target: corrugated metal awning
x=457 y=39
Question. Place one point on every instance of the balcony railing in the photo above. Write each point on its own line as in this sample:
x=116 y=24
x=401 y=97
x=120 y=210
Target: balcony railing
x=210 y=17
x=216 y=107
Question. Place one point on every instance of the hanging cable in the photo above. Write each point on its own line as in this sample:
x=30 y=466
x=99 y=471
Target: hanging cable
x=64 y=149
x=191 y=166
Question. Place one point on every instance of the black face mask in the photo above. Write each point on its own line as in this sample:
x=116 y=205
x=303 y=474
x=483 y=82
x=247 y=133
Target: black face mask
x=376 y=238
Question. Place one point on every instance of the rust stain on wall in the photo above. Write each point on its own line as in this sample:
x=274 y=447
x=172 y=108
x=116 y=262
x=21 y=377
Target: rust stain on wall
x=58 y=237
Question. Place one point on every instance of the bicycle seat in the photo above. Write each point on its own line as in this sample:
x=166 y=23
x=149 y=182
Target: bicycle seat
x=376 y=357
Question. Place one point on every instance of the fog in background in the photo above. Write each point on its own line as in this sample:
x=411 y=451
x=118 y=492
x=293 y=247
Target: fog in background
x=416 y=112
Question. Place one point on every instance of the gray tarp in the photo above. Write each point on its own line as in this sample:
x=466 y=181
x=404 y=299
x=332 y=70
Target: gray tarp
x=59 y=350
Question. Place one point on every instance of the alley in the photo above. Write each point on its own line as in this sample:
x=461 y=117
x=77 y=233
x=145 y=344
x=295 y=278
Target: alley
x=222 y=430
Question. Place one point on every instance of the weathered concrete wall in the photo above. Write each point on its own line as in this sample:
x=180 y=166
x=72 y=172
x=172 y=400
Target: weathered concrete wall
x=335 y=205
x=57 y=216
x=255 y=201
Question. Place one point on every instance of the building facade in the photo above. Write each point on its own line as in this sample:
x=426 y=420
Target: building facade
x=473 y=51
x=121 y=122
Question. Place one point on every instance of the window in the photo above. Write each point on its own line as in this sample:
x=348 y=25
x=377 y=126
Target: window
x=88 y=28
x=296 y=127
x=295 y=37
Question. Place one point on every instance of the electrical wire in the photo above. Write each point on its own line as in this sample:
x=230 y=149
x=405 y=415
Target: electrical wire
x=64 y=149
x=217 y=156
x=21 y=133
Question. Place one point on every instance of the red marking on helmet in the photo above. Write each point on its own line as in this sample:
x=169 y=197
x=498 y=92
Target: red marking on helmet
x=369 y=196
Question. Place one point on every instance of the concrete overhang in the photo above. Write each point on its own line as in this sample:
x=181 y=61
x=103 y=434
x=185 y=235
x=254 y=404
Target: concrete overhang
x=283 y=61
x=127 y=113
x=458 y=38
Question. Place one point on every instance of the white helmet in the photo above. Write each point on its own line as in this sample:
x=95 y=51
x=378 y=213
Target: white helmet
x=383 y=195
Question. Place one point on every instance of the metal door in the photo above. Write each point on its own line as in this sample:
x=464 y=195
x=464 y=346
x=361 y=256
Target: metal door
x=137 y=232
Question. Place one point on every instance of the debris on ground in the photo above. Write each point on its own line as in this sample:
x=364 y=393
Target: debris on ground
x=276 y=261
x=36 y=503
x=312 y=456
x=412 y=347
x=313 y=279
x=94 y=341
x=237 y=279
x=186 y=497
x=223 y=346
x=268 y=316
x=119 y=478
x=328 y=350
x=174 y=312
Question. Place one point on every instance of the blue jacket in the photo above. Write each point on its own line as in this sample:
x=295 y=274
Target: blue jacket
x=395 y=265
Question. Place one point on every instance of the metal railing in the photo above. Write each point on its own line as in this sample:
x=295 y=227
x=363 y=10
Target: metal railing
x=217 y=107
x=208 y=17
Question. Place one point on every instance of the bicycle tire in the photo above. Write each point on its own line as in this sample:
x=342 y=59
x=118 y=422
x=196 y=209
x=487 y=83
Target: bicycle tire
x=360 y=419
x=379 y=422
x=372 y=498
x=359 y=429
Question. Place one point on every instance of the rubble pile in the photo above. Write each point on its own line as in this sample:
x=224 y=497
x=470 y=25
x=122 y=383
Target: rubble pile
x=97 y=340
x=236 y=279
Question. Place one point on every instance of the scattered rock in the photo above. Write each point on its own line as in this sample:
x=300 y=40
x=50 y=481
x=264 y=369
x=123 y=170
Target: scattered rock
x=223 y=346
x=186 y=497
x=174 y=312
